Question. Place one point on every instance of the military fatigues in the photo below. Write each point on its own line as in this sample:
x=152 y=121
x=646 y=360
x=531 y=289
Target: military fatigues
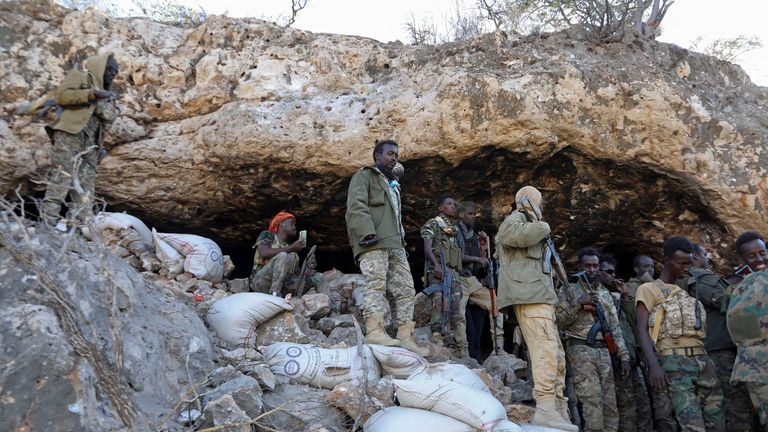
x=695 y=391
x=747 y=319
x=473 y=290
x=632 y=398
x=591 y=364
x=444 y=242
x=720 y=348
x=271 y=275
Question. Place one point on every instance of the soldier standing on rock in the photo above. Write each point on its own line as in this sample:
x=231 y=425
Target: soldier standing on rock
x=86 y=108
x=525 y=283
x=377 y=237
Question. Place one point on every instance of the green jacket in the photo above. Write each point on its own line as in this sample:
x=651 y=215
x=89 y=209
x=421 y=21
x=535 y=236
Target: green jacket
x=370 y=211
x=711 y=290
x=520 y=251
x=75 y=94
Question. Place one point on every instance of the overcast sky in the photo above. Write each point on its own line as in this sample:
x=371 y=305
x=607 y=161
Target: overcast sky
x=384 y=20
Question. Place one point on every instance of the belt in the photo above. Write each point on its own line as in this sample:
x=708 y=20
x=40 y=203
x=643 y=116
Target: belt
x=596 y=344
x=682 y=351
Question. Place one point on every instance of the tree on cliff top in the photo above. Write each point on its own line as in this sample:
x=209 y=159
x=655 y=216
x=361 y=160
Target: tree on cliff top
x=727 y=49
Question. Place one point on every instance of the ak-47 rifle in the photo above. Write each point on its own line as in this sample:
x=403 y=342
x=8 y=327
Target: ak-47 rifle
x=551 y=254
x=444 y=287
x=304 y=269
x=485 y=247
x=601 y=321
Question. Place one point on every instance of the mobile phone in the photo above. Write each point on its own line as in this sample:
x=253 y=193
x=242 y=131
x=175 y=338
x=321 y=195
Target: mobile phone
x=303 y=236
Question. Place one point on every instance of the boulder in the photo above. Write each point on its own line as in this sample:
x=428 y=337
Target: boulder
x=301 y=406
x=327 y=324
x=225 y=412
x=316 y=306
x=360 y=400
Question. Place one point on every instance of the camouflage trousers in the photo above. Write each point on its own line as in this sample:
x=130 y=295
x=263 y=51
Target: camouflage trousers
x=72 y=173
x=633 y=402
x=738 y=412
x=537 y=324
x=387 y=271
x=758 y=392
x=273 y=277
x=472 y=291
x=593 y=379
x=663 y=414
x=695 y=391
x=457 y=325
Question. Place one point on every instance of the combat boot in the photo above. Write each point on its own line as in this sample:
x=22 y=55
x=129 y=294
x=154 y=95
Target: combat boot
x=375 y=332
x=405 y=335
x=547 y=415
x=562 y=408
x=461 y=351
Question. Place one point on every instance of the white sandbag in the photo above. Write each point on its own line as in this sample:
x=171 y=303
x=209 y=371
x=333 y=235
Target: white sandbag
x=507 y=426
x=319 y=367
x=453 y=372
x=397 y=419
x=169 y=258
x=121 y=221
x=398 y=362
x=203 y=256
x=474 y=407
x=236 y=317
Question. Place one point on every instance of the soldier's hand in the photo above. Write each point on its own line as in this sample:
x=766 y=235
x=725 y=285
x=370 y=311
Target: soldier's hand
x=626 y=369
x=369 y=240
x=587 y=299
x=438 y=273
x=658 y=378
x=296 y=246
x=482 y=235
x=483 y=262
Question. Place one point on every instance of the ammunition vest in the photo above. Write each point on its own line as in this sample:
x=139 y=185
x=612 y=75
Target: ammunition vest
x=446 y=241
x=747 y=315
x=674 y=315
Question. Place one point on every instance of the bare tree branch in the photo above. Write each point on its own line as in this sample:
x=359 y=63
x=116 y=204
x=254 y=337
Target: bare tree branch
x=296 y=7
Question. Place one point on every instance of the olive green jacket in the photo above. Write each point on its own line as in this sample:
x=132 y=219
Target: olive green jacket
x=520 y=251
x=370 y=211
x=75 y=94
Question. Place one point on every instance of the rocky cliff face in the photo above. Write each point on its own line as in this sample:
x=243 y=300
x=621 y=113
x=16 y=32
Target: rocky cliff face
x=227 y=123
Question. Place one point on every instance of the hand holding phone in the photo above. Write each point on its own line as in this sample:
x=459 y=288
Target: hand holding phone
x=303 y=236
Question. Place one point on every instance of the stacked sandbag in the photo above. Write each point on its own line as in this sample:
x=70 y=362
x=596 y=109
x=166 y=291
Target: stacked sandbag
x=129 y=238
x=202 y=256
x=452 y=372
x=236 y=318
x=399 y=362
x=410 y=419
x=319 y=367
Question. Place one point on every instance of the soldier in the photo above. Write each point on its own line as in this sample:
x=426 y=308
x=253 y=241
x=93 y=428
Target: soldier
x=275 y=261
x=645 y=269
x=525 y=284
x=87 y=107
x=377 y=237
x=710 y=289
x=666 y=325
x=474 y=271
x=746 y=317
x=591 y=361
x=632 y=398
x=441 y=244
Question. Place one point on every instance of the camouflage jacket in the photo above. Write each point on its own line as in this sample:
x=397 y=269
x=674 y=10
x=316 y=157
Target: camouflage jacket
x=575 y=322
x=747 y=319
x=444 y=235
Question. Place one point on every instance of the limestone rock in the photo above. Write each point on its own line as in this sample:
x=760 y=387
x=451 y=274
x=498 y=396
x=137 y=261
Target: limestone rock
x=224 y=374
x=302 y=406
x=520 y=414
x=505 y=367
x=316 y=306
x=229 y=267
x=346 y=335
x=264 y=375
x=327 y=324
x=224 y=411
x=239 y=285
x=283 y=327
x=245 y=391
x=422 y=310
x=377 y=396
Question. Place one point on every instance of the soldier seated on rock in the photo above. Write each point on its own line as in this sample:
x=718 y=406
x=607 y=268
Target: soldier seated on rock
x=275 y=261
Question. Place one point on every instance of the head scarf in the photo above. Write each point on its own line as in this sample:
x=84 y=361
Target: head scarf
x=533 y=195
x=278 y=219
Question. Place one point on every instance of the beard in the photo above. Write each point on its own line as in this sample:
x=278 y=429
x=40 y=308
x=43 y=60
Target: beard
x=387 y=171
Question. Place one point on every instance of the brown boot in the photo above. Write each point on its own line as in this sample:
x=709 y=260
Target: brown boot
x=405 y=335
x=375 y=333
x=547 y=415
x=461 y=351
x=562 y=407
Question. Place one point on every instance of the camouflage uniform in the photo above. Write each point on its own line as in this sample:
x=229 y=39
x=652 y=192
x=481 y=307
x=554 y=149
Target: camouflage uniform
x=271 y=275
x=591 y=364
x=747 y=318
x=73 y=161
x=711 y=289
x=696 y=394
x=444 y=241
x=387 y=271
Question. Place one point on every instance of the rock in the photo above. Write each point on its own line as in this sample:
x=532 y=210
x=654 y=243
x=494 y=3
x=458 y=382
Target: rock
x=302 y=406
x=239 y=285
x=316 y=306
x=189 y=416
x=520 y=414
x=224 y=411
x=347 y=396
x=327 y=324
x=264 y=375
x=163 y=345
x=245 y=391
x=229 y=266
x=149 y=262
x=345 y=335
x=185 y=277
x=505 y=367
x=283 y=327
x=133 y=261
x=224 y=374
x=484 y=375
x=240 y=355
x=422 y=310
x=423 y=337
x=520 y=391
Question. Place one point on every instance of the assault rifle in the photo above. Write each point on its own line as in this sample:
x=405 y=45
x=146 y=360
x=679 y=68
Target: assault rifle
x=551 y=251
x=485 y=247
x=601 y=321
x=444 y=287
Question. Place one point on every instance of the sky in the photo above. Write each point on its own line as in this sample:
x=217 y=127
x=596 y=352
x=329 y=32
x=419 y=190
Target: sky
x=385 y=20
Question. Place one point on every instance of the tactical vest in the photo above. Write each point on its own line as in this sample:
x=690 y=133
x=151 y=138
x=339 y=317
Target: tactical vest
x=674 y=315
x=445 y=241
x=747 y=315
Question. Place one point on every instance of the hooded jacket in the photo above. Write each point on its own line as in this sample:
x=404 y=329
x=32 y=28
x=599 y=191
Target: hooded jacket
x=75 y=94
